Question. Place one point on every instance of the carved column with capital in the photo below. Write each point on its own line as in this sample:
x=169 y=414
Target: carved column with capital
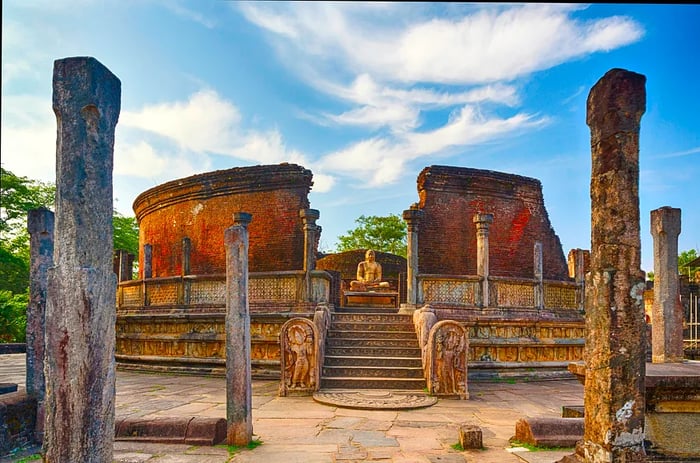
x=309 y=217
x=413 y=217
x=483 y=222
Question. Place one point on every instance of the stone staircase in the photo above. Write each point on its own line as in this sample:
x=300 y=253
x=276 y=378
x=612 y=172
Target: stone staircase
x=372 y=348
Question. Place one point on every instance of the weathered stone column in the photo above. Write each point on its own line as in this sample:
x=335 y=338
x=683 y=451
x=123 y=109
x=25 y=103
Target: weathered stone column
x=40 y=224
x=80 y=309
x=186 y=251
x=667 y=313
x=483 y=222
x=578 y=260
x=123 y=265
x=147 y=261
x=615 y=328
x=413 y=217
x=538 y=274
x=309 y=217
x=239 y=419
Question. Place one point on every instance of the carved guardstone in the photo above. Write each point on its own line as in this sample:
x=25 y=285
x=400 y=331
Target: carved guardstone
x=299 y=358
x=448 y=348
x=80 y=314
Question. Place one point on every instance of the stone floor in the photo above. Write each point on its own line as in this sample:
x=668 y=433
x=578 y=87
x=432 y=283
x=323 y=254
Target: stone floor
x=297 y=429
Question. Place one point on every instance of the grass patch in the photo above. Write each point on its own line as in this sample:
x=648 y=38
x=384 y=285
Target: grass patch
x=535 y=448
x=458 y=447
x=35 y=457
x=232 y=449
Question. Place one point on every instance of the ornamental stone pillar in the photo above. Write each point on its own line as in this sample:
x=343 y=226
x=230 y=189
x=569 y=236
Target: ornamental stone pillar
x=80 y=313
x=147 y=261
x=239 y=421
x=615 y=328
x=483 y=222
x=413 y=217
x=40 y=224
x=667 y=312
x=309 y=218
x=538 y=274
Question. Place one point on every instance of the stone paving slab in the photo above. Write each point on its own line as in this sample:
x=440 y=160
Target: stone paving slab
x=297 y=429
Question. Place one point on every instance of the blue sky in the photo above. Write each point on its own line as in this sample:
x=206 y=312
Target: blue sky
x=365 y=95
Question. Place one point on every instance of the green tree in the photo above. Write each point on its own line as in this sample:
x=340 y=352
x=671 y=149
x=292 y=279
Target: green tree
x=13 y=316
x=126 y=233
x=381 y=233
x=684 y=258
x=18 y=195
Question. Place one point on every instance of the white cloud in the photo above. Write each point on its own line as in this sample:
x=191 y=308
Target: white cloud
x=488 y=45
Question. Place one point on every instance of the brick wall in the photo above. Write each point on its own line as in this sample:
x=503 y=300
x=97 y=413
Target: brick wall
x=201 y=207
x=450 y=196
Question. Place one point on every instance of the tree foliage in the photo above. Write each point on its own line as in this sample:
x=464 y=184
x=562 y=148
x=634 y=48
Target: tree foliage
x=19 y=195
x=381 y=233
x=684 y=258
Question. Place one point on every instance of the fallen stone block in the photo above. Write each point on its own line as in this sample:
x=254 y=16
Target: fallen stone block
x=470 y=437
x=17 y=421
x=172 y=430
x=572 y=411
x=549 y=432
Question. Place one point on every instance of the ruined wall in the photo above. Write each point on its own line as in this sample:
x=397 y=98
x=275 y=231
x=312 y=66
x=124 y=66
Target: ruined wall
x=450 y=196
x=201 y=207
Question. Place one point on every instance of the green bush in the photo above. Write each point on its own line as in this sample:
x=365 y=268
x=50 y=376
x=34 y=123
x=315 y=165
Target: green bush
x=13 y=316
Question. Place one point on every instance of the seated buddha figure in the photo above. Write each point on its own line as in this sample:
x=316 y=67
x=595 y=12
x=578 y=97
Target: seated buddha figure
x=369 y=274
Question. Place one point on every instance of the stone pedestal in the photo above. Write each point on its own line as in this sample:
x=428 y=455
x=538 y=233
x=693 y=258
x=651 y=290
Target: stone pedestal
x=667 y=312
x=80 y=313
x=239 y=394
x=615 y=349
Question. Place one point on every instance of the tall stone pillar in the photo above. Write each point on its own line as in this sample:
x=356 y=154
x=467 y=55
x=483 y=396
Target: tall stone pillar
x=667 y=312
x=413 y=217
x=239 y=430
x=80 y=309
x=309 y=218
x=615 y=329
x=483 y=222
x=186 y=251
x=579 y=260
x=40 y=224
x=538 y=274
x=147 y=261
x=123 y=265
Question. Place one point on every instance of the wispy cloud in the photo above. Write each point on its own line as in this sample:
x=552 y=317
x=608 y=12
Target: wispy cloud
x=679 y=153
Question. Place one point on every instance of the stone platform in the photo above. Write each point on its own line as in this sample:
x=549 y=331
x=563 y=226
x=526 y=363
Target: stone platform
x=384 y=299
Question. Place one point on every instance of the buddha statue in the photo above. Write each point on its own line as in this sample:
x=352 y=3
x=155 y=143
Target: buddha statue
x=369 y=275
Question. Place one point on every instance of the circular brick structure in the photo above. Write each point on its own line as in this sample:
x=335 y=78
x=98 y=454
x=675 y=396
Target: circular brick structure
x=201 y=207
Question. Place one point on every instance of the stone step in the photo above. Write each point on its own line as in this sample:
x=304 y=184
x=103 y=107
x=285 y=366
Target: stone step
x=371 y=326
x=372 y=361
x=372 y=372
x=373 y=317
x=373 y=383
x=365 y=334
x=373 y=342
x=368 y=351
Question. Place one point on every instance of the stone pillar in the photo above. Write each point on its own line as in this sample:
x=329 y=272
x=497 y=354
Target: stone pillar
x=147 y=261
x=615 y=348
x=483 y=222
x=579 y=260
x=80 y=309
x=538 y=274
x=186 y=251
x=667 y=313
x=124 y=265
x=40 y=224
x=239 y=430
x=413 y=217
x=309 y=217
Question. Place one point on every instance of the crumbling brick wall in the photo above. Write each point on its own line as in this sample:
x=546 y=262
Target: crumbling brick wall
x=450 y=196
x=201 y=207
